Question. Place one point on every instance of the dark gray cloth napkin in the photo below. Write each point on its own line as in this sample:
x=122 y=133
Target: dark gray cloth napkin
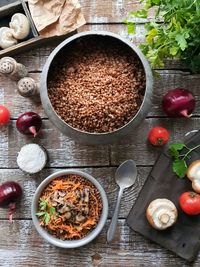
x=184 y=237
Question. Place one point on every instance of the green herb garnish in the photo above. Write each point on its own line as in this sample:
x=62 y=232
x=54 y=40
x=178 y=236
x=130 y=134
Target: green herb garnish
x=179 y=159
x=174 y=32
x=45 y=211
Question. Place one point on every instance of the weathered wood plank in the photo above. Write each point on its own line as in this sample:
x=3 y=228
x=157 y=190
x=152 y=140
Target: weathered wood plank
x=136 y=146
x=21 y=246
x=103 y=11
x=104 y=175
x=63 y=152
x=35 y=59
x=167 y=79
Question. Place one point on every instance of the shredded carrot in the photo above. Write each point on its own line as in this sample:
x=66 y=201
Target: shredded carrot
x=70 y=185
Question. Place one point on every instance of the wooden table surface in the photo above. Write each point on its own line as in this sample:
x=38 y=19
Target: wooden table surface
x=20 y=244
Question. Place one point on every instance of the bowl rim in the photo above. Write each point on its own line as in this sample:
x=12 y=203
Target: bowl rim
x=69 y=243
x=143 y=60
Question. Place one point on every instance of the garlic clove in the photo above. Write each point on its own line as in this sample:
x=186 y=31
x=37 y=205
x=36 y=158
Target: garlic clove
x=20 y=26
x=6 y=38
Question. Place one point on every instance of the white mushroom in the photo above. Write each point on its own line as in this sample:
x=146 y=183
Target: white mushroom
x=20 y=26
x=193 y=173
x=6 y=38
x=161 y=213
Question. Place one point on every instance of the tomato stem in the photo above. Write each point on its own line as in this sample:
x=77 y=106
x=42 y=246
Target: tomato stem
x=192 y=194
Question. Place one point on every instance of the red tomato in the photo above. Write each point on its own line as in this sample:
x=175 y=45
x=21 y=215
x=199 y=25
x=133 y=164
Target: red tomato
x=158 y=136
x=190 y=203
x=4 y=115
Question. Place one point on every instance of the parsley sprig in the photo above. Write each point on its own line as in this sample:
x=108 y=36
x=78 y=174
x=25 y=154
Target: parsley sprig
x=45 y=210
x=177 y=37
x=179 y=159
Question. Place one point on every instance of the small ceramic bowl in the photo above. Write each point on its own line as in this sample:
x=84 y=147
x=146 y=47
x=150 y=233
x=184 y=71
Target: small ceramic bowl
x=69 y=243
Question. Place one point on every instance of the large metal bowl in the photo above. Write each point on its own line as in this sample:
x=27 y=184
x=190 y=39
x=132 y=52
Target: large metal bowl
x=86 y=137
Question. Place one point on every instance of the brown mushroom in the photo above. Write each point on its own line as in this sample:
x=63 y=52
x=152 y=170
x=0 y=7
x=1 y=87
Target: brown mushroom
x=63 y=209
x=67 y=215
x=86 y=195
x=85 y=210
x=80 y=218
x=61 y=193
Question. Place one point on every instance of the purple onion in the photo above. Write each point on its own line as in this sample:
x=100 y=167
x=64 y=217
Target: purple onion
x=178 y=102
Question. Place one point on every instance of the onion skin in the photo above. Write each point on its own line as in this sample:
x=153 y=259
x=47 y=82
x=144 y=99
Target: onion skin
x=9 y=192
x=178 y=102
x=29 y=123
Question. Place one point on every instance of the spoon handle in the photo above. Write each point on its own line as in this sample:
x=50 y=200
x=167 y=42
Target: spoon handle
x=113 y=225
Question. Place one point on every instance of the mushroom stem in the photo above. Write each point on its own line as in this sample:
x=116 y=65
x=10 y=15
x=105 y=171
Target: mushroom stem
x=164 y=218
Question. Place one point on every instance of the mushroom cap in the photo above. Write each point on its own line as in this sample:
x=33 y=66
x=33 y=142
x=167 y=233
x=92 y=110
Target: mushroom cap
x=20 y=26
x=193 y=169
x=6 y=38
x=161 y=213
x=193 y=173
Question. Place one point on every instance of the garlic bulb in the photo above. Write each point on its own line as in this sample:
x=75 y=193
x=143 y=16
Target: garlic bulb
x=20 y=26
x=193 y=173
x=6 y=38
x=161 y=213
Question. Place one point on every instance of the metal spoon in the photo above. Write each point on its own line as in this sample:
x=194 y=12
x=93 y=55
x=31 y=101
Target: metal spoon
x=125 y=177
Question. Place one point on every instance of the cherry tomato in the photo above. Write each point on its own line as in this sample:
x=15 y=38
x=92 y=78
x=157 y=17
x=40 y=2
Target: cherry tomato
x=158 y=136
x=4 y=115
x=190 y=203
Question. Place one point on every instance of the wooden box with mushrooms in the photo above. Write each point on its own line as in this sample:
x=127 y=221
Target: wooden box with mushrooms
x=16 y=28
x=18 y=32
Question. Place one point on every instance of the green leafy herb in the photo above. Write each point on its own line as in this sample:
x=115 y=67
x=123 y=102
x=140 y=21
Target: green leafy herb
x=180 y=167
x=178 y=35
x=45 y=210
x=130 y=26
x=47 y=218
x=43 y=204
x=179 y=159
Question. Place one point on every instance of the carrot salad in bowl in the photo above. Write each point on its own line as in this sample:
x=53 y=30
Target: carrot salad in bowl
x=69 y=207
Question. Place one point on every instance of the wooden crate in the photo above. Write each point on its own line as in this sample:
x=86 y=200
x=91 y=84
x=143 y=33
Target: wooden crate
x=33 y=40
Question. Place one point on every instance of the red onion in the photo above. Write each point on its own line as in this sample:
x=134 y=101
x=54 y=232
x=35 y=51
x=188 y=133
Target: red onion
x=29 y=123
x=9 y=193
x=178 y=102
